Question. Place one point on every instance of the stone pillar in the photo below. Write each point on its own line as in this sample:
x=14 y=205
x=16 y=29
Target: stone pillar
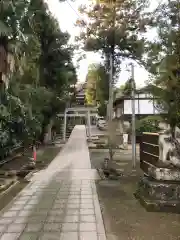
x=120 y=125
x=159 y=188
x=120 y=119
x=89 y=124
x=65 y=125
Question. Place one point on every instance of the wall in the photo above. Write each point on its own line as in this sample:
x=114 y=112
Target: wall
x=142 y=106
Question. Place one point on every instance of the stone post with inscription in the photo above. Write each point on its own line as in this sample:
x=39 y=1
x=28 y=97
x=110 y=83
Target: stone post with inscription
x=159 y=188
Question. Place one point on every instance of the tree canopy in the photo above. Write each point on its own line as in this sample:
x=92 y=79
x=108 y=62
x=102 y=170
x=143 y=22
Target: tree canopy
x=36 y=65
x=115 y=28
x=97 y=87
x=164 y=61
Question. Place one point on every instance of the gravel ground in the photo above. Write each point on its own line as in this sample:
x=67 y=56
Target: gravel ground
x=123 y=215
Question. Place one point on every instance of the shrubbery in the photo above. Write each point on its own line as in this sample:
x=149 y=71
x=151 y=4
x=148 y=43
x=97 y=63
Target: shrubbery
x=36 y=73
x=148 y=124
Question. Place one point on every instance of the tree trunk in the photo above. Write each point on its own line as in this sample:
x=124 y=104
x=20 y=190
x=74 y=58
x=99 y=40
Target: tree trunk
x=173 y=128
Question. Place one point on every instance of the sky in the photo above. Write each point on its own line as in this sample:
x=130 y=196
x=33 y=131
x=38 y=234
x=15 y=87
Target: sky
x=67 y=14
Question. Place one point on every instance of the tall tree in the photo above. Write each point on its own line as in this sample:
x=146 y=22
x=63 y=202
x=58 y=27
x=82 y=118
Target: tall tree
x=164 y=61
x=11 y=33
x=42 y=74
x=97 y=88
x=115 y=28
x=56 y=70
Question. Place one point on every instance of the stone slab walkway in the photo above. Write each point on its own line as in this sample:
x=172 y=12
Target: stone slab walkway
x=61 y=202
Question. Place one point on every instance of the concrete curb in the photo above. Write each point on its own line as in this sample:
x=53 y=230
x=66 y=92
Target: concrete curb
x=99 y=218
x=9 y=188
x=29 y=175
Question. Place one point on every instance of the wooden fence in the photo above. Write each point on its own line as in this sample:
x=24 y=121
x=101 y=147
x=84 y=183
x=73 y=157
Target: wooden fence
x=149 y=150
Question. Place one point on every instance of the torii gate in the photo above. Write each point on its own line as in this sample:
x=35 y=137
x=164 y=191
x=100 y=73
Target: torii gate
x=79 y=112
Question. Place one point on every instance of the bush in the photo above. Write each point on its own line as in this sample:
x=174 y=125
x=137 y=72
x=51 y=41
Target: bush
x=148 y=124
x=102 y=110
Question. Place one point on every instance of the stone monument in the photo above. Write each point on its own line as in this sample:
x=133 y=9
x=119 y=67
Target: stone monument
x=159 y=188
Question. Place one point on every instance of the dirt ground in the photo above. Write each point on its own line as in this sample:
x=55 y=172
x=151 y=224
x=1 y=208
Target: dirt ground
x=124 y=217
x=44 y=156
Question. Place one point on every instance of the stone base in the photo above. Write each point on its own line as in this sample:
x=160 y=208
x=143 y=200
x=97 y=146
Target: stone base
x=159 y=190
x=164 y=173
x=158 y=195
x=158 y=206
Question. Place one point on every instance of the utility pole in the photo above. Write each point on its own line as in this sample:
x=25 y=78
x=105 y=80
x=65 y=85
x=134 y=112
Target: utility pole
x=111 y=82
x=133 y=118
x=110 y=104
x=110 y=110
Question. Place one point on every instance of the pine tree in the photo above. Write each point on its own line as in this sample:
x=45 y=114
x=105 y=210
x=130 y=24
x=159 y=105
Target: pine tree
x=164 y=61
x=115 y=28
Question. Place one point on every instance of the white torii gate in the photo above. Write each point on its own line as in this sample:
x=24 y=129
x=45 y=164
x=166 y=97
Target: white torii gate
x=78 y=111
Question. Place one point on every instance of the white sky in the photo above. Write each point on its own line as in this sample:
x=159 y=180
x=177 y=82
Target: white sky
x=67 y=17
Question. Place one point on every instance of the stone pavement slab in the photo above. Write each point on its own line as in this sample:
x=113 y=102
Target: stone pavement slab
x=60 y=202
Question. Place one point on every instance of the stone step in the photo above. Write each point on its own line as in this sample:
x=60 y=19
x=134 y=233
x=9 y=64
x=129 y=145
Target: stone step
x=158 y=205
x=160 y=173
x=159 y=190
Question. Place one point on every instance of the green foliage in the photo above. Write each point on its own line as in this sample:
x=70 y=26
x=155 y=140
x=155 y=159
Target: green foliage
x=126 y=88
x=148 y=124
x=97 y=88
x=114 y=29
x=41 y=79
x=102 y=109
x=164 y=61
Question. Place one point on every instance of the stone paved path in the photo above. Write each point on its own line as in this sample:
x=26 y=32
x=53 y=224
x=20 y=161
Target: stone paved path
x=61 y=202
